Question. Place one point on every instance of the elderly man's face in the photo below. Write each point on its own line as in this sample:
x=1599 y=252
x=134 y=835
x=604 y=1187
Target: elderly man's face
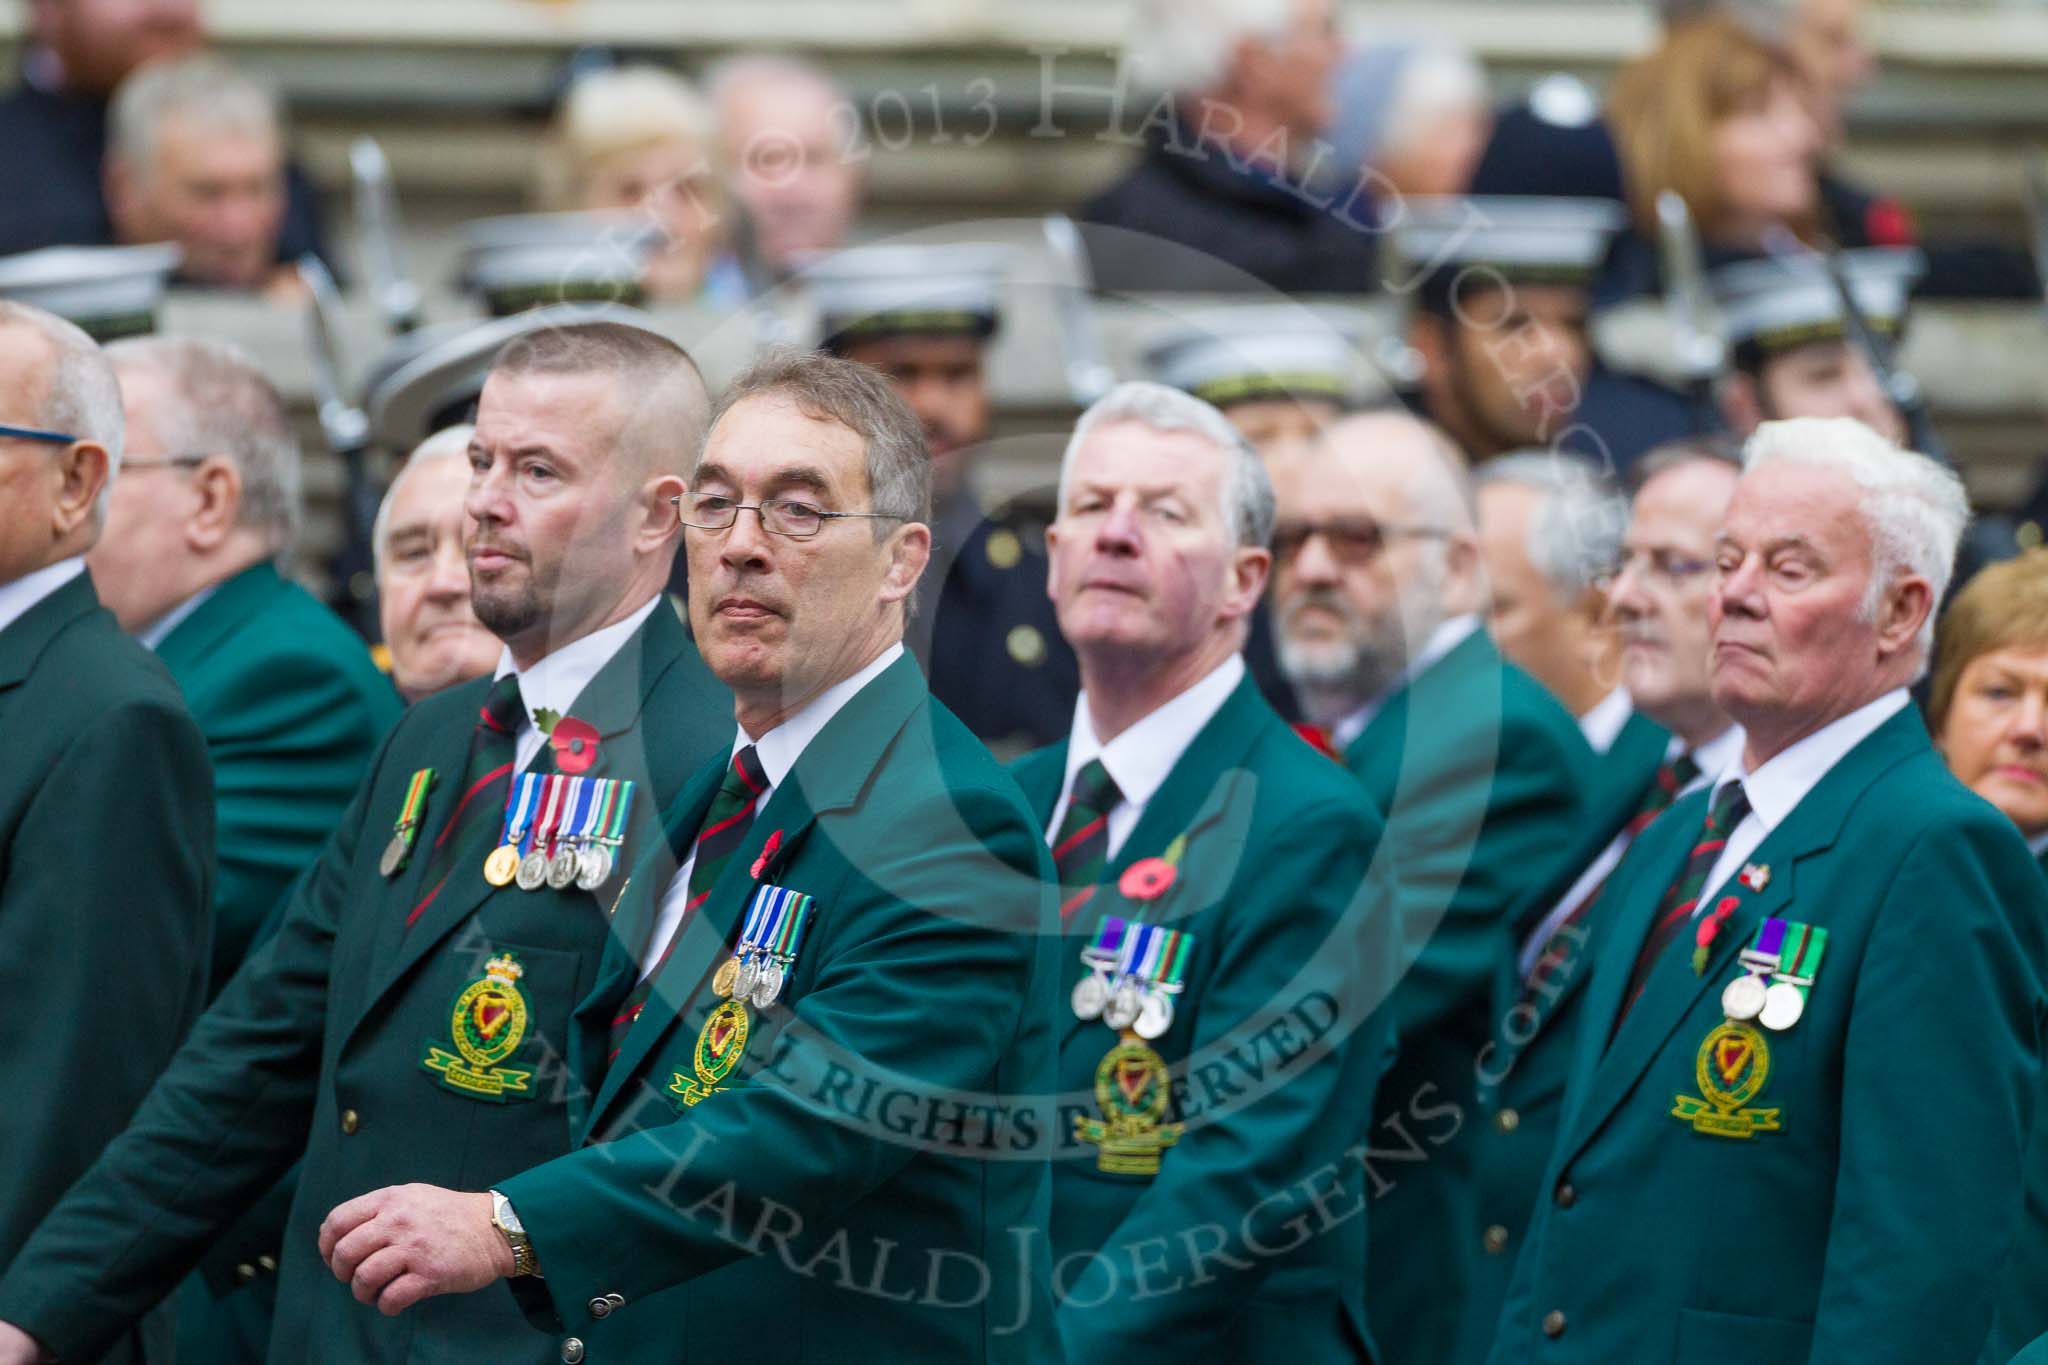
x=29 y=473
x=792 y=152
x=1792 y=647
x=778 y=618
x=140 y=565
x=1356 y=583
x=1535 y=626
x=1660 y=597
x=218 y=194
x=551 y=506
x=423 y=605
x=1142 y=563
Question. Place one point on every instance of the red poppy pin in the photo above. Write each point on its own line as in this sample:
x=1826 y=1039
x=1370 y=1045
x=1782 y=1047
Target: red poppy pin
x=575 y=744
x=1147 y=879
x=767 y=852
x=1710 y=929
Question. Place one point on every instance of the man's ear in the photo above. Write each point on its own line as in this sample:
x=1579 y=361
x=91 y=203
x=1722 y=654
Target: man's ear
x=1903 y=611
x=910 y=549
x=218 y=484
x=1250 y=567
x=661 y=518
x=82 y=470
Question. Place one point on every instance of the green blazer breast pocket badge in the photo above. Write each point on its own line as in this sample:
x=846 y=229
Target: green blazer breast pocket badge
x=1779 y=968
x=770 y=938
x=1134 y=971
x=487 y=1025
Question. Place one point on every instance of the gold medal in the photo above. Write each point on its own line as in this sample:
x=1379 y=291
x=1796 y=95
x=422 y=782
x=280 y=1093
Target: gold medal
x=721 y=980
x=502 y=866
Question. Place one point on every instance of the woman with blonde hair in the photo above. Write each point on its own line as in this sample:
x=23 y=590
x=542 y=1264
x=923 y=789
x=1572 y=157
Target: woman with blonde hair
x=1988 y=711
x=642 y=139
x=1718 y=115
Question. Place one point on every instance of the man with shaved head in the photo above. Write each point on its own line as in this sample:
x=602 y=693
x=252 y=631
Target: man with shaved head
x=1378 y=594
x=409 y=1019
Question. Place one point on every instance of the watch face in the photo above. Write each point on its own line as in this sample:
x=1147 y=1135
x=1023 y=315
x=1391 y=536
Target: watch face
x=501 y=1212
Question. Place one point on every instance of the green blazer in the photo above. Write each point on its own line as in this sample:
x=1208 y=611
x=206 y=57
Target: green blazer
x=1870 y=1226
x=292 y=710
x=1484 y=778
x=2035 y=1353
x=864 y=1183
x=1274 y=1053
x=105 y=828
x=1522 y=1072
x=2022 y=1314
x=317 y=1047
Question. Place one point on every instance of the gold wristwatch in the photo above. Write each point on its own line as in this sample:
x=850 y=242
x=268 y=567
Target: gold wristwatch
x=514 y=1232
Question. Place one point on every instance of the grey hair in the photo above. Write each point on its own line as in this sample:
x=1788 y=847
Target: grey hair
x=1248 y=503
x=617 y=110
x=221 y=403
x=206 y=88
x=1185 y=46
x=1715 y=447
x=1575 y=536
x=449 y=443
x=826 y=388
x=1915 y=508
x=729 y=74
x=83 y=398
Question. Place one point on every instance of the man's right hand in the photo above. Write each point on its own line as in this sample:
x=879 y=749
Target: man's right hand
x=18 y=1347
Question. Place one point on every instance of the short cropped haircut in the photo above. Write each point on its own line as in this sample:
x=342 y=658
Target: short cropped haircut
x=206 y=89
x=661 y=391
x=1575 y=536
x=1248 y=503
x=82 y=398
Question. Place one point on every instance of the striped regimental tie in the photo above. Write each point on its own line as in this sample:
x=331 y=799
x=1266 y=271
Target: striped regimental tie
x=1080 y=850
x=1674 y=912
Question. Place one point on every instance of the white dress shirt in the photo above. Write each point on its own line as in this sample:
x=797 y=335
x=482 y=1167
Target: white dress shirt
x=1139 y=759
x=1777 y=788
x=555 y=681
x=1711 y=758
x=1604 y=723
x=778 y=751
x=157 y=631
x=1446 y=637
x=24 y=592
x=2038 y=844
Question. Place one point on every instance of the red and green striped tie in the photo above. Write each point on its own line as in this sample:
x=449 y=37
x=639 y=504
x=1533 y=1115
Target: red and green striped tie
x=1730 y=805
x=1080 y=849
x=725 y=829
x=486 y=778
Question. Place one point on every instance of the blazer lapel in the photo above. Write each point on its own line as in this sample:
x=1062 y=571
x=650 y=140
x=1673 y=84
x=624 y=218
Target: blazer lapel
x=829 y=775
x=635 y=669
x=25 y=638
x=232 y=603
x=1672 y=989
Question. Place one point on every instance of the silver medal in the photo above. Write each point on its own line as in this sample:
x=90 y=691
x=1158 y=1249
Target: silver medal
x=1091 y=993
x=1155 y=1017
x=743 y=981
x=533 y=871
x=594 y=867
x=769 y=986
x=394 y=855
x=1743 y=998
x=1783 y=1004
x=1124 y=1005
x=562 y=869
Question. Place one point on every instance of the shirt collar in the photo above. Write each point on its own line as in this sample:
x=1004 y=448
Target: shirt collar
x=556 y=680
x=24 y=592
x=159 y=630
x=1776 y=788
x=780 y=748
x=1139 y=759
x=1714 y=757
x=1603 y=724
x=1446 y=637
x=2038 y=844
